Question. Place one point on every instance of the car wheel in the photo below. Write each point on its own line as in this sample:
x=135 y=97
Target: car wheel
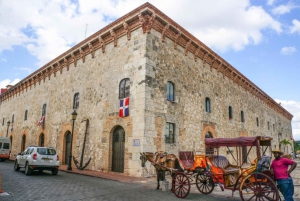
x=16 y=166
x=27 y=169
x=54 y=171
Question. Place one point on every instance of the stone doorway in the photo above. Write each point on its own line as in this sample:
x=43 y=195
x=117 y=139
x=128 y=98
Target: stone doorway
x=118 y=149
x=23 y=143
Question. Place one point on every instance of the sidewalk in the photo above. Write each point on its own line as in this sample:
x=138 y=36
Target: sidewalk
x=105 y=175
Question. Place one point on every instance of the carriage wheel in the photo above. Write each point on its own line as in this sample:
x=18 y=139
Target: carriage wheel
x=258 y=186
x=181 y=185
x=204 y=183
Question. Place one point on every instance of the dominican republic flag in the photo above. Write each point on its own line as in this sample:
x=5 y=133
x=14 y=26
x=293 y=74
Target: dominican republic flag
x=41 y=121
x=124 y=107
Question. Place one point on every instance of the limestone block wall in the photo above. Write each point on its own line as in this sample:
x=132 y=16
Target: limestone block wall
x=97 y=81
x=194 y=81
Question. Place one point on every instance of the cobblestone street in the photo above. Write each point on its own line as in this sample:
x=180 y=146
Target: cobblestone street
x=68 y=186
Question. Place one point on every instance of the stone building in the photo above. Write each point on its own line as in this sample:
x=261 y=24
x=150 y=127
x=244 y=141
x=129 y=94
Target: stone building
x=179 y=90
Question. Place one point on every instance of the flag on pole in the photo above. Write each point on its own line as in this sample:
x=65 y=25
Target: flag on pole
x=41 y=121
x=124 y=107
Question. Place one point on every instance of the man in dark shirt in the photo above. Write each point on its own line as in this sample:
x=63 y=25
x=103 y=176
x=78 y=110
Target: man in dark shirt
x=280 y=168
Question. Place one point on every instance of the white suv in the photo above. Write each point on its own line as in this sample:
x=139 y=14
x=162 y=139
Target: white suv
x=37 y=158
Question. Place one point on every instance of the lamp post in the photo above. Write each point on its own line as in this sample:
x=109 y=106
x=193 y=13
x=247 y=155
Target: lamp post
x=8 y=124
x=74 y=115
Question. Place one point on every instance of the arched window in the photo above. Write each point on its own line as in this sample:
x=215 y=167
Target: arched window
x=257 y=122
x=42 y=140
x=25 y=116
x=170 y=91
x=76 y=101
x=230 y=112
x=44 y=110
x=242 y=117
x=124 y=88
x=209 y=150
x=207 y=105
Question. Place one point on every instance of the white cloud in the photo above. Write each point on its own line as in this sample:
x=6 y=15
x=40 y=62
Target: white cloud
x=283 y=9
x=270 y=2
x=296 y=26
x=48 y=28
x=294 y=108
x=6 y=82
x=3 y=60
x=288 y=50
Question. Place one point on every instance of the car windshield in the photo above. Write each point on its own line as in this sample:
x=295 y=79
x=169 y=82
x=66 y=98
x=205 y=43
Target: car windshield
x=46 y=151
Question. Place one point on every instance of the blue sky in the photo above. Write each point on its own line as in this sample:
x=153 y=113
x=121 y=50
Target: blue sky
x=260 y=38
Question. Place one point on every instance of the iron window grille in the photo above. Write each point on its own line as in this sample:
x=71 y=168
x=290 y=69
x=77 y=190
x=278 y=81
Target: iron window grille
x=170 y=92
x=25 y=116
x=170 y=133
x=124 y=88
x=230 y=112
x=207 y=105
x=76 y=101
x=242 y=117
x=44 y=110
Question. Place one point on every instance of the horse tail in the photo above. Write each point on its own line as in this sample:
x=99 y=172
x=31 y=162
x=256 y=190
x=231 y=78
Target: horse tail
x=178 y=166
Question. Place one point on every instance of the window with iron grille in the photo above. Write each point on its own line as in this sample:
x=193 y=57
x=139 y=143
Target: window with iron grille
x=124 y=88
x=76 y=101
x=207 y=105
x=170 y=91
x=230 y=112
x=242 y=117
x=170 y=133
x=44 y=110
x=25 y=116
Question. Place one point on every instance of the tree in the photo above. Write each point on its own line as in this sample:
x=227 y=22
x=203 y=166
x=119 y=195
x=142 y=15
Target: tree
x=285 y=142
x=296 y=147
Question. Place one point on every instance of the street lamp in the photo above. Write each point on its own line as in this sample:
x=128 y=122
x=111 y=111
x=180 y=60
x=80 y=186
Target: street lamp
x=74 y=115
x=8 y=123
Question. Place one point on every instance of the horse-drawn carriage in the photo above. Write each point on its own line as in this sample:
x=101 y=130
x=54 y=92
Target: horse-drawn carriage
x=245 y=168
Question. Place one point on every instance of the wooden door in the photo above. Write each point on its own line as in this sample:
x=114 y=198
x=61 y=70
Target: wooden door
x=118 y=149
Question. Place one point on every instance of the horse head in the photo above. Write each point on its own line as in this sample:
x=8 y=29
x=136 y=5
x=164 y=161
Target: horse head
x=143 y=159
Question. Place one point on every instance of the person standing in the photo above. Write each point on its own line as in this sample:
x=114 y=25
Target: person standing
x=281 y=170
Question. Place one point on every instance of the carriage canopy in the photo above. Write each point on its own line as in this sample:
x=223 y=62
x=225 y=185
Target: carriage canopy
x=237 y=142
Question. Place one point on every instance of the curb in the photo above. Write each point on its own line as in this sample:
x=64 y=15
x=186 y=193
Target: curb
x=1 y=191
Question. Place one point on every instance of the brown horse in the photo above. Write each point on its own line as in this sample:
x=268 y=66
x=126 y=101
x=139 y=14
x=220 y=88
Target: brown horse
x=162 y=162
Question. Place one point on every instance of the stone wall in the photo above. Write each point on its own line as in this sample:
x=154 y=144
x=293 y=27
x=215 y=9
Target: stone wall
x=194 y=81
x=97 y=81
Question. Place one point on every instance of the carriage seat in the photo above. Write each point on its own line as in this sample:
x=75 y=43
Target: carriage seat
x=223 y=163
x=187 y=159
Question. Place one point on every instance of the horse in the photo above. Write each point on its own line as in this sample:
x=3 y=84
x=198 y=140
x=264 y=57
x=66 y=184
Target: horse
x=162 y=162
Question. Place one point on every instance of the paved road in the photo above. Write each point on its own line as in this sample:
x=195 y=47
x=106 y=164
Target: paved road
x=67 y=186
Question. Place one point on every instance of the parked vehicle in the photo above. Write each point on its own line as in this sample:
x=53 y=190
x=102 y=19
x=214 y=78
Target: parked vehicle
x=38 y=158
x=5 y=145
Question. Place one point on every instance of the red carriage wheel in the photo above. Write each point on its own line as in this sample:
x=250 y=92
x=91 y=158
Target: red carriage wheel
x=258 y=186
x=181 y=185
x=204 y=183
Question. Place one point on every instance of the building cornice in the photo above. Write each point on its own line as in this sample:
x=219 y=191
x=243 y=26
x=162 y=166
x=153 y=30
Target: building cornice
x=146 y=17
